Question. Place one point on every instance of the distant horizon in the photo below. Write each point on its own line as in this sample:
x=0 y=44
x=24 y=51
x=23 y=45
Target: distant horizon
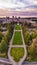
x=18 y=16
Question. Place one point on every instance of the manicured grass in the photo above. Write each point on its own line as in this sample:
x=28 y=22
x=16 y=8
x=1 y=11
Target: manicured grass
x=17 y=53
x=17 y=38
x=17 y=27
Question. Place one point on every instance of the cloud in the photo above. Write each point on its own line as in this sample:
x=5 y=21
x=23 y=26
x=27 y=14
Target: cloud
x=18 y=7
x=27 y=12
x=17 y=3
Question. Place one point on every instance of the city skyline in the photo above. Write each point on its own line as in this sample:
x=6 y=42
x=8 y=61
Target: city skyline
x=18 y=7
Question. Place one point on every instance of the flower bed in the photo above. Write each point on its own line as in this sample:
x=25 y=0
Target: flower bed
x=17 y=53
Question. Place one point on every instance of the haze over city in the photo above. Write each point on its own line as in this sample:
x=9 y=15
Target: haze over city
x=18 y=7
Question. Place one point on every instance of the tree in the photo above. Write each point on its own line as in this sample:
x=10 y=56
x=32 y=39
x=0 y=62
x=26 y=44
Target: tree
x=34 y=35
x=4 y=46
x=31 y=49
x=1 y=35
x=27 y=38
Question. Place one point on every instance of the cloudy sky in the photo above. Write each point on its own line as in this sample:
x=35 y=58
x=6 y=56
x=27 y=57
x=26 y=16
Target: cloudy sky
x=18 y=7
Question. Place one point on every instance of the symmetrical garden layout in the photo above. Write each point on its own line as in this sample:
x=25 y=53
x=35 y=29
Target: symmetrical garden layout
x=17 y=51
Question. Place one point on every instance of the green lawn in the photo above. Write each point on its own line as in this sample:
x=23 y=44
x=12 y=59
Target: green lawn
x=17 y=38
x=17 y=27
x=17 y=53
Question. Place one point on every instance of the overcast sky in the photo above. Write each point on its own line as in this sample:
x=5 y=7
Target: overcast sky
x=18 y=7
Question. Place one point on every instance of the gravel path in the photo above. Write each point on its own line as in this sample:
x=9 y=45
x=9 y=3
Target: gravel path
x=17 y=46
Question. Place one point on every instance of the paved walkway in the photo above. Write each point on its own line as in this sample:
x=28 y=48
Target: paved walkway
x=29 y=63
x=24 y=46
x=18 y=30
x=17 y=45
x=4 y=61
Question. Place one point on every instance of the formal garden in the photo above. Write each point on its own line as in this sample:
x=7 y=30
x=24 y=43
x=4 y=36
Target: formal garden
x=30 y=38
x=17 y=52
